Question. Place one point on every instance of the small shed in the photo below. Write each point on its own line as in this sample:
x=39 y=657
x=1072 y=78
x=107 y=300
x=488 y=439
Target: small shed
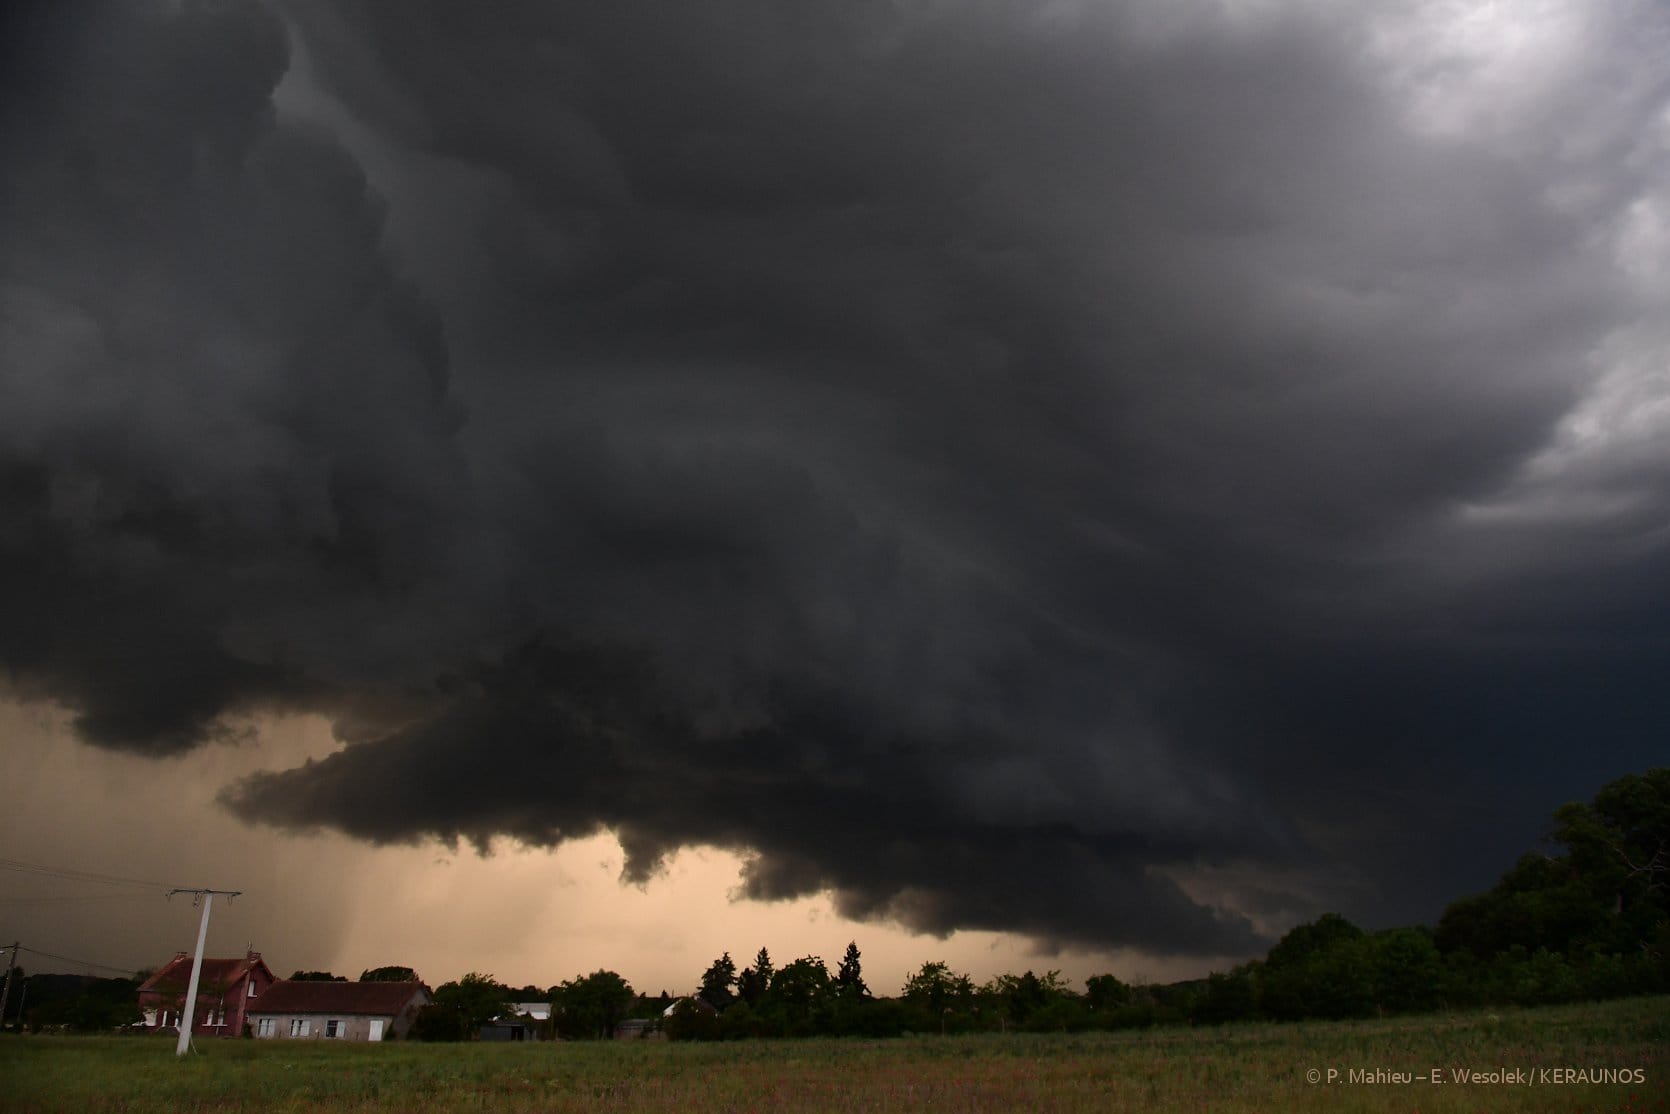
x=508 y=1029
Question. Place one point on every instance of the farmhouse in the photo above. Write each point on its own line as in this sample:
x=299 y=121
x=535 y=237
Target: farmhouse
x=225 y=990
x=356 y=1011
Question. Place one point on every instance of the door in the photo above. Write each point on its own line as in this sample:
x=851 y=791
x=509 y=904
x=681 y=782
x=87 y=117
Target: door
x=376 y=1028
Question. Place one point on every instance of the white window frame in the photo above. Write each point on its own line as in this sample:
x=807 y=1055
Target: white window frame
x=266 y=1026
x=301 y=1026
x=335 y=1029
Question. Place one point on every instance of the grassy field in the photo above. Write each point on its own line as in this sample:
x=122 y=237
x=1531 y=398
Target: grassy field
x=1255 y=1067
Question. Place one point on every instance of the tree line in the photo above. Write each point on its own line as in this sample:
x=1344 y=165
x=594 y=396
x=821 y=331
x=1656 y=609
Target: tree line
x=1589 y=918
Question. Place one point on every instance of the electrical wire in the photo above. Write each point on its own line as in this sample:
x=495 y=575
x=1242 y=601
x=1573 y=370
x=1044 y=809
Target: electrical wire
x=73 y=875
x=79 y=962
x=5 y=901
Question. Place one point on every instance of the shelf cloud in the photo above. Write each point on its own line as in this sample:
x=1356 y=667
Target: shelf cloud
x=1011 y=466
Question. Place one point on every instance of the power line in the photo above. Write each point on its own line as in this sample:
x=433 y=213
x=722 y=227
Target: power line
x=73 y=875
x=77 y=962
x=82 y=897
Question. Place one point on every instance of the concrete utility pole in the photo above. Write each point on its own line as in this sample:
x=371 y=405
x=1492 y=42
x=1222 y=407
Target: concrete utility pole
x=6 y=991
x=189 y=1013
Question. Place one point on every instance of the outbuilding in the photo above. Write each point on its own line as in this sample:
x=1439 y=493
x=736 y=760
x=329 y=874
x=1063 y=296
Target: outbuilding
x=355 y=1011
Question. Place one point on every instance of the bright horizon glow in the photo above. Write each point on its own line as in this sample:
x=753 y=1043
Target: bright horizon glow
x=323 y=901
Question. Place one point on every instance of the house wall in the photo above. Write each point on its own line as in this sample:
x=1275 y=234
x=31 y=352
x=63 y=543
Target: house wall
x=354 y=1027
x=211 y=1021
x=226 y=1007
x=260 y=979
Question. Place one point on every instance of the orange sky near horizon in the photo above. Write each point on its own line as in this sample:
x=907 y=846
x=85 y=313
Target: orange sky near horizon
x=323 y=901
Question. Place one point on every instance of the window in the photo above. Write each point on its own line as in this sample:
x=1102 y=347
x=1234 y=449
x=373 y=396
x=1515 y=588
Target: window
x=300 y=1026
x=334 y=1029
x=251 y=985
x=265 y=1027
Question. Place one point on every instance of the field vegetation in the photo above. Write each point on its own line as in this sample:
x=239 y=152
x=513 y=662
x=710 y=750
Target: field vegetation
x=1257 y=1066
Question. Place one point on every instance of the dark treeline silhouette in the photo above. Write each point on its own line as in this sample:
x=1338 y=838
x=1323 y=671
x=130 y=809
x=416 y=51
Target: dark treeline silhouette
x=586 y=1007
x=1589 y=919
x=75 y=1003
x=803 y=998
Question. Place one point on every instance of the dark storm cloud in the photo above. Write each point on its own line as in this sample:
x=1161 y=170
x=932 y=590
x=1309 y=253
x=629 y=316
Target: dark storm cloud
x=872 y=815
x=228 y=430
x=986 y=461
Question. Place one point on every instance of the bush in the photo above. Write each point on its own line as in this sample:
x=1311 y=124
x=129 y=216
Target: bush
x=438 y=1023
x=1406 y=969
x=1231 y=997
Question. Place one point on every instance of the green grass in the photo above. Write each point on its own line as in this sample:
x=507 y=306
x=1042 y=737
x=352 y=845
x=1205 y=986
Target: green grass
x=1254 y=1067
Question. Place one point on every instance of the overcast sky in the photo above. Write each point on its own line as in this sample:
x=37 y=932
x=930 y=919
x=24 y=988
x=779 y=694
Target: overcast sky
x=1104 y=481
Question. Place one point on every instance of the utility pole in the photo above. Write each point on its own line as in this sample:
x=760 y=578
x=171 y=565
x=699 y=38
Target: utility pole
x=189 y=1013
x=6 y=991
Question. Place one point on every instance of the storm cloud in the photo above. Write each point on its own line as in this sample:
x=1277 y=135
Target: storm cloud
x=1011 y=466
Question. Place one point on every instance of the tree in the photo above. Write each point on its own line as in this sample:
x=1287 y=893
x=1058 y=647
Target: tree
x=1321 y=969
x=77 y=1002
x=938 y=998
x=389 y=974
x=1105 y=993
x=718 y=980
x=317 y=976
x=1606 y=893
x=473 y=1001
x=436 y=1022
x=1406 y=970
x=1618 y=849
x=753 y=983
x=589 y=1007
x=1308 y=940
x=1020 y=996
x=1231 y=997
x=936 y=987
x=849 y=976
x=1540 y=902
x=800 y=994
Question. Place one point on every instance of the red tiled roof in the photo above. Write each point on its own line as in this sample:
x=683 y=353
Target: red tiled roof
x=304 y=996
x=217 y=973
